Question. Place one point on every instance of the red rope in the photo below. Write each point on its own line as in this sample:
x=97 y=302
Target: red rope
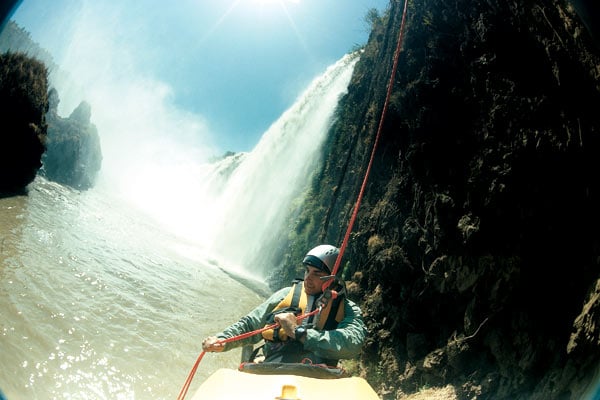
x=188 y=381
x=338 y=261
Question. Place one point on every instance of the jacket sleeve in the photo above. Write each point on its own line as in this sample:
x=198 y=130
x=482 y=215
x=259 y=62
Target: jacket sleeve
x=345 y=341
x=254 y=320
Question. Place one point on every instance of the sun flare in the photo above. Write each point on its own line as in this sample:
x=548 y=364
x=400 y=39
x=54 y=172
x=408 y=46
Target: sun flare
x=267 y=3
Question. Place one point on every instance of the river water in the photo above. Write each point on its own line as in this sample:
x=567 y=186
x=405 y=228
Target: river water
x=99 y=302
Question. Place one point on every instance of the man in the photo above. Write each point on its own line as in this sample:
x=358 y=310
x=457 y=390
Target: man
x=337 y=332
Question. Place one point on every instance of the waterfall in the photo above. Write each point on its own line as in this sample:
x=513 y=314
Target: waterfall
x=252 y=203
x=154 y=157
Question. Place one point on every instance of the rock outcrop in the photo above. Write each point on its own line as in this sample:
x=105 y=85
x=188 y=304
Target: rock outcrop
x=23 y=105
x=73 y=156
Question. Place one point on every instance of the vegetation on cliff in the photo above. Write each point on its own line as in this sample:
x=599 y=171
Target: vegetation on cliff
x=475 y=254
x=15 y=38
x=23 y=105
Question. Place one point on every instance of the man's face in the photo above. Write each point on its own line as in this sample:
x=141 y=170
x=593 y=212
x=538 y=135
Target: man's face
x=312 y=280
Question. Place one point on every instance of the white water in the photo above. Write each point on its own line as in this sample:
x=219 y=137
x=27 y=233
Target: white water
x=256 y=198
x=156 y=155
x=228 y=209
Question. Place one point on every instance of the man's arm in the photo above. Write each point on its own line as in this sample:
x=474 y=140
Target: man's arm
x=254 y=320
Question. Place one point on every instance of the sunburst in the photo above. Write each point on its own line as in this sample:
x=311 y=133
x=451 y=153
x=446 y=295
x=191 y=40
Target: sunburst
x=268 y=3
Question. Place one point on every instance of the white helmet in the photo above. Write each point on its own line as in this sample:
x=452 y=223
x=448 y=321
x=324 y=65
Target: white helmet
x=322 y=257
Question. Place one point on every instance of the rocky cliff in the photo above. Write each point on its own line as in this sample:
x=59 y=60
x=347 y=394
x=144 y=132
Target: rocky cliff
x=73 y=156
x=23 y=105
x=475 y=253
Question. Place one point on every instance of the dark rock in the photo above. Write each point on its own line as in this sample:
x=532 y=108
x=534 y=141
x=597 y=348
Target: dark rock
x=23 y=105
x=74 y=155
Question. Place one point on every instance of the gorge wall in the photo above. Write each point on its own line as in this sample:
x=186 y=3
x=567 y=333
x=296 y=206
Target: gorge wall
x=475 y=255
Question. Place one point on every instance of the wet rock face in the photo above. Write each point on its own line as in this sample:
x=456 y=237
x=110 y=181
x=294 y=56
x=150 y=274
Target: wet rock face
x=495 y=107
x=23 y=105
x=477 y=241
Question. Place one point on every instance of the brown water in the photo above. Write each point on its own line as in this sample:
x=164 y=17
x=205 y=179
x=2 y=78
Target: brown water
x=97 y=302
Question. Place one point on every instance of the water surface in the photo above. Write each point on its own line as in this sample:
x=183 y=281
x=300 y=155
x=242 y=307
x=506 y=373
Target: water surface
x=98 y=301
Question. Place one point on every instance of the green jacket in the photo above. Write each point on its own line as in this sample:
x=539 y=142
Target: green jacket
x=345 y=341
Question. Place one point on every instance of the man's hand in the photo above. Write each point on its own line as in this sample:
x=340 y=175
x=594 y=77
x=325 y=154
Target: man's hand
x=211 y=344
x=288 y=323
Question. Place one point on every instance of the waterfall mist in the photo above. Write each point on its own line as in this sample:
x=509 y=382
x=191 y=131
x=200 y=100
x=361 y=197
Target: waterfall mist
x=258 y=194
x=158 y=156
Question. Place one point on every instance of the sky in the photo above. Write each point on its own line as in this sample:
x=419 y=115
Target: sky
x=233 y=65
